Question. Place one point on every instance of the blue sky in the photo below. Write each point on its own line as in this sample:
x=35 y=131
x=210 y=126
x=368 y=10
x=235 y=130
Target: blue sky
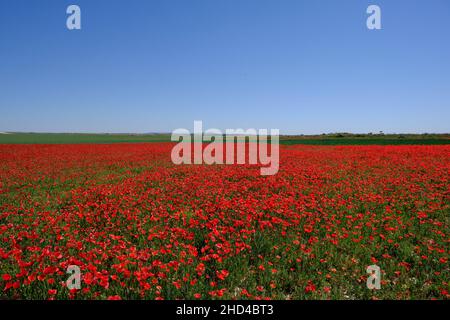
x=156 y=65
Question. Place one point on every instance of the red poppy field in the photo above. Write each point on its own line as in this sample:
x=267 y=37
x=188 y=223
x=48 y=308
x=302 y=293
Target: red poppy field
x=140 y=227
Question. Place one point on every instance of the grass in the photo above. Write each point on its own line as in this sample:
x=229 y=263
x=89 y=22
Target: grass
x=326 y=139
x=79 y=138
x=366 y=141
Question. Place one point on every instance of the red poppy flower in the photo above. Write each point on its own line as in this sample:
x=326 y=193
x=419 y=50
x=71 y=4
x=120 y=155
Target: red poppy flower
x=6 y=277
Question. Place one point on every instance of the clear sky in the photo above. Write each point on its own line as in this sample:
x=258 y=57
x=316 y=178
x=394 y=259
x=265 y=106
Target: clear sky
x=302 y=66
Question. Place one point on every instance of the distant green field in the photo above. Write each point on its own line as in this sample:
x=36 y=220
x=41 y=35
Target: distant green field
x=69 y=138
x=366 y=141
x=79 y=138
